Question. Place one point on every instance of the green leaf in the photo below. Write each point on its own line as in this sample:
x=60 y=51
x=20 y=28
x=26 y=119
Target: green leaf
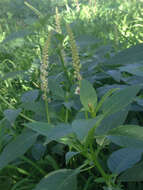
x=86 y=40
x=30 y=96
x=135 y=69
x=106 y=95
x=50 y=131
x=36 y=107
x=120 y=99
x=56 y=89
x=134 y=174
x=88 y=96
x=127 y=136
x=17 y=147
x=81 y=127
x=123 y=159
x=38 y=151
x=59 y=180
x=11 y=114
x=112 y=121
x=116 y=75
x=127 y=56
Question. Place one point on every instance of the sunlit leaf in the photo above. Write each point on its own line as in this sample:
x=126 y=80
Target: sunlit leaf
x=88 y=95
x=127 y=136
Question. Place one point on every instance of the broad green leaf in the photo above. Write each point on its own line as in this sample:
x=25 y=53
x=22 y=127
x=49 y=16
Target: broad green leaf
x=17 y=147
x=88 y=96
x=59 y=180
x=56 y=89
x=38 y=151
x=123 y=159
x=135 y=69
x=106 y=88
x=81 y=127
x=127 y=56
x=11 y=114
x=106 y=95
x=134 y=174
x=112 y=121
x=127 y=136
x=42 y=128
x=116 y=75
x=60 y=130
x=50 y=131
x=83 y=41
x=133 y=80
x=30 y=96
x=36 y=107
x=120 y=99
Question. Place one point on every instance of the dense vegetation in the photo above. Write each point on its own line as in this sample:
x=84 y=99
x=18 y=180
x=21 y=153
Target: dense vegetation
x=71 y=83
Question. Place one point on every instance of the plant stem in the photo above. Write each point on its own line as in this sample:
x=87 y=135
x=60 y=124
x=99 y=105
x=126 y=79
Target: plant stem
x=66 y=111
x=97 y=164
x=47 y=109
x=102 y=172
x=67 y=115
x=86 y=114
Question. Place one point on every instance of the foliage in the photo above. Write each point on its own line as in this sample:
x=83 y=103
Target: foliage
x=71 y=80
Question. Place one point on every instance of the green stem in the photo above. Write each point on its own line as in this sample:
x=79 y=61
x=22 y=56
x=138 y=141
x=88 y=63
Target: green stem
x=67 y=111
x=47 y=109
x=100 y=168
x=102 y=172
x=86 y=169
x=86 y=114
x=67 y=115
